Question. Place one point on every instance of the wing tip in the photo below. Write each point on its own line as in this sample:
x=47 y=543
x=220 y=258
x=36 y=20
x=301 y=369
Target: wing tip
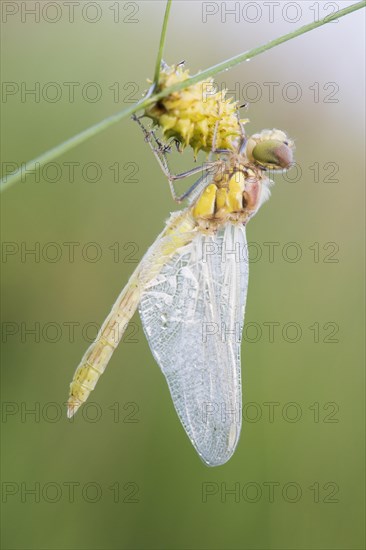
x=220 y=453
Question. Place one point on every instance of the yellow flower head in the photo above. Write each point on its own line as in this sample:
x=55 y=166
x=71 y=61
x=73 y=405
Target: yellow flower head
x=195 y=114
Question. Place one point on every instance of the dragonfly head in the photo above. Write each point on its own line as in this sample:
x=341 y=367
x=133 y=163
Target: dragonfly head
x=239 y=184
x=270 y=150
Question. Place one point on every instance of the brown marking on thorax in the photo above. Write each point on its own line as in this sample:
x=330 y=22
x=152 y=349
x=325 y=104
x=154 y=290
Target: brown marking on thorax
x=233 y=194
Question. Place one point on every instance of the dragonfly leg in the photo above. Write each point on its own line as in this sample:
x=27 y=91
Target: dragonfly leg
x=217 y=151
x=160 y=150
x=243 y=139
x=173 y=177
x=214 y=137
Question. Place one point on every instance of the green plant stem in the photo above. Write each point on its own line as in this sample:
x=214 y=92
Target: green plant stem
x=70 y=143
x=161 y=45
x=233 y=61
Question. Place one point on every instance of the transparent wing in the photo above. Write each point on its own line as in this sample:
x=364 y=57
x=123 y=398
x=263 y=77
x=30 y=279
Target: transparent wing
x=193 y=314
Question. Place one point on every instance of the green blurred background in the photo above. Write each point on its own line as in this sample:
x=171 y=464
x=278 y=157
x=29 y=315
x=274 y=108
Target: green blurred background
x=138 y=483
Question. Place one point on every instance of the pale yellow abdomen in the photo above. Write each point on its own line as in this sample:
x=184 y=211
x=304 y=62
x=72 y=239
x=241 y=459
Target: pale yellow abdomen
x=179 y=231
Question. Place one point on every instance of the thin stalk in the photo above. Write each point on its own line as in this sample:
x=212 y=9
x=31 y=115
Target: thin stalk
x=70 y=143
x=161 y=45
x=236 y=60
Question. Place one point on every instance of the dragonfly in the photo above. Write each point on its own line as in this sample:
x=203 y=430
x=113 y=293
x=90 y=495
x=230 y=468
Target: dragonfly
x=191 y=287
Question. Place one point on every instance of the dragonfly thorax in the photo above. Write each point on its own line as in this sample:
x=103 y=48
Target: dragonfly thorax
x=234 y=193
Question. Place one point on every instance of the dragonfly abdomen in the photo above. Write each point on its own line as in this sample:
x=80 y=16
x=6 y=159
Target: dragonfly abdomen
x=97 y=356
x=179 y=230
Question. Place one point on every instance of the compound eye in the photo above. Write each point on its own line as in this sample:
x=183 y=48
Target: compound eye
x=274 y=154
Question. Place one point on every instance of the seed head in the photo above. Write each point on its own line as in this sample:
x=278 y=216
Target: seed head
x=197 y=115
